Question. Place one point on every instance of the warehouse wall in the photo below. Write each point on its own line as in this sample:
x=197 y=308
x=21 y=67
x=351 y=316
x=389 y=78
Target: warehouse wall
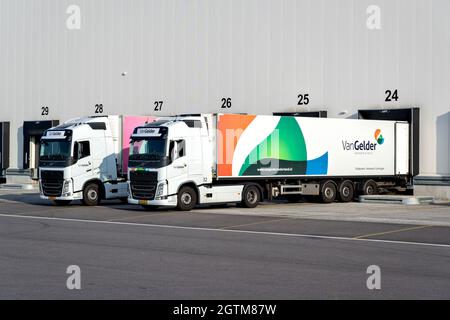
x=260 y=53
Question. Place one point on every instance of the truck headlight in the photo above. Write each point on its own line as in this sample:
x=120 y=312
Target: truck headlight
x=67 y=186
x=161 y=190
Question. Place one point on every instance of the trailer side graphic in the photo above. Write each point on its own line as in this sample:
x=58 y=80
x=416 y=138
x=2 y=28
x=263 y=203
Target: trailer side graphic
x=255 y=146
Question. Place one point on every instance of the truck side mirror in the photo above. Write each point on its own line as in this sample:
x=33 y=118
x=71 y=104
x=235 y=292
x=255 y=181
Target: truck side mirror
x=80 y=151
x=173 y=152
x=77 y=151
x=76 y=147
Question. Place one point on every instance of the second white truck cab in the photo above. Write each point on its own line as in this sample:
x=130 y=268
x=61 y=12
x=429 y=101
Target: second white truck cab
x=80 y=160
x=171 y=163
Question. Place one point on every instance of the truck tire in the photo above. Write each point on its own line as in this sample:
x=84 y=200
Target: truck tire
x=187 y=199
x=369 y=188
x=62 y=202
x=91 y=195
x=346 y=191
x=251 y=197
x=328 y=192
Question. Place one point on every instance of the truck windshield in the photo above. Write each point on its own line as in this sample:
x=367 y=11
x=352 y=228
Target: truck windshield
x=148 y=149
x=55 y=150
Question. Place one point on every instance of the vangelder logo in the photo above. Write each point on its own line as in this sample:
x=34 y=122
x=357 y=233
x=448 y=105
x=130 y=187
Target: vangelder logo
x=364 y=145
x=379 y=136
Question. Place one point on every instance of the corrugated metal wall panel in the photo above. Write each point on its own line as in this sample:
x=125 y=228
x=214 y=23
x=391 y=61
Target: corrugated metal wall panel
x=192 y=53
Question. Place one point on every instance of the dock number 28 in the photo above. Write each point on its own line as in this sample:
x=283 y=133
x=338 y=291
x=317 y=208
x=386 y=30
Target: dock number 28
x=98 y=108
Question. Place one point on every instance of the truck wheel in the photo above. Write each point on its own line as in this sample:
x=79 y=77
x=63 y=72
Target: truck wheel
x=346 y=191
x=251 y=197
x=62 y=202
x=369 y=188
x=187 y=199
x=91 y=195
x=328 y=192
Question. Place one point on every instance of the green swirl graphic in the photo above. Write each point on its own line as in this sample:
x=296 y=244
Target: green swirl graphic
x=285 y=144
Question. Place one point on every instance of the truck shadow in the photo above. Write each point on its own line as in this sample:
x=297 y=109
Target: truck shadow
x=198 y=208
x=28 y=198
x=34 y=199
x=134 y=207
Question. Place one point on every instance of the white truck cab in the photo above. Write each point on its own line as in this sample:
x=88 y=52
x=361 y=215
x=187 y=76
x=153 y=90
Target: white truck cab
x=80 y=160
x=169 y=154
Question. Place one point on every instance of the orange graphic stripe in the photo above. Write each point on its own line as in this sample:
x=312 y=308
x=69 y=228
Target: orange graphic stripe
x=230 y=127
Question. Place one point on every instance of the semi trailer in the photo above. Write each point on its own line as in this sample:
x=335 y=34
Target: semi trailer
x=86 y=159
x=185 y=160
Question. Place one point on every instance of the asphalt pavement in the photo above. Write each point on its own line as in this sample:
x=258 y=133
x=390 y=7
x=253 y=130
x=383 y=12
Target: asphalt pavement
x=124 y=252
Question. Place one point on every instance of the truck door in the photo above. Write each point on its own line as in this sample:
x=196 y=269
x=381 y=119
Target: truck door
x=82 y=169
x=195 y=167
x=177 y=172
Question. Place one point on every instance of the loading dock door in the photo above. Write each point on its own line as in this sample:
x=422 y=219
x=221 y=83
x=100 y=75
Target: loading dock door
x=32 y=133
x=4 y=147
x=401 y=148
x=35 y=144
x=307 y=114
x=410 y=115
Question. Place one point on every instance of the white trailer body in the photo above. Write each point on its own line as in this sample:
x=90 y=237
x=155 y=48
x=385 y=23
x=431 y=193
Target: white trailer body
x=202 y=159
x=266 y=146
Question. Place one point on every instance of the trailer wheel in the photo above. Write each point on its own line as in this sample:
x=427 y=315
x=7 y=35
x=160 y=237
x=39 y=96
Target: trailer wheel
x=346 y=191
x=328 y=191
x=91 y=195
x=369 y=188
x=187 y=199
x=62 y=202
x=251 y=197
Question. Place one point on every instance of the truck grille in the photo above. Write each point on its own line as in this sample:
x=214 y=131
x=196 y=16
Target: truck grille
x=52 y=183
x=143 y=184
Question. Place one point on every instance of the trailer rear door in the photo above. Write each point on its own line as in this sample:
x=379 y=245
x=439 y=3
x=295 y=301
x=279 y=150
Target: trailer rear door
x=401 y=148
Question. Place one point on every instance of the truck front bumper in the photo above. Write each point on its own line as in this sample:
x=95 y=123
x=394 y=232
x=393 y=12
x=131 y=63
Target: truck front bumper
x=171 y=201
x=75 y=196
